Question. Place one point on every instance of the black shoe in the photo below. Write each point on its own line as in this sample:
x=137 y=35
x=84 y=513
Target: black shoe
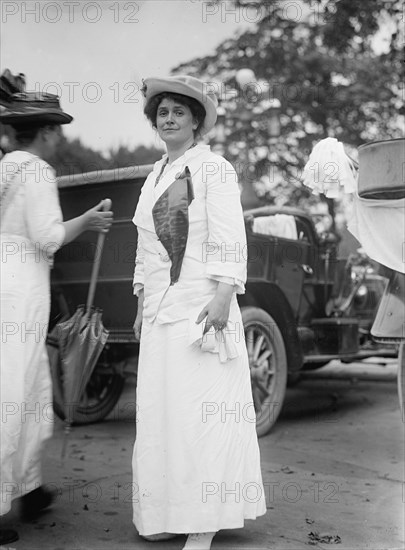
x=8 y=536
x=34 y=502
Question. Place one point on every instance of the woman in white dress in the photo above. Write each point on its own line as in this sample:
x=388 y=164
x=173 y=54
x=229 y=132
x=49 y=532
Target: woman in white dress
x=196 y=461
x=32 y=229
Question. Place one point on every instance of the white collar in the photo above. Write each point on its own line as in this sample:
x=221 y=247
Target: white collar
x=187 y=155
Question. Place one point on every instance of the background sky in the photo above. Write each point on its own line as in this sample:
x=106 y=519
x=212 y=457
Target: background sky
x=94 y=55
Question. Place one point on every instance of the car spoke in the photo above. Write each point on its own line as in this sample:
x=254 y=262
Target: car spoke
x=250 y=342
x=258 y=346
x=264 y=356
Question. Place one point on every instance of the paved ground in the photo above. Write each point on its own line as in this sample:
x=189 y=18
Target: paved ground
x=333 y=466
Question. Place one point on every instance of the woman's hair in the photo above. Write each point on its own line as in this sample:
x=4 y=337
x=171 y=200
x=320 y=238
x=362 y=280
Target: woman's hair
x=25 y=135
x=197 y=110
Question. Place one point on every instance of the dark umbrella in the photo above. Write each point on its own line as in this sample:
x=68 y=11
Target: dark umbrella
x=80 y=341
x=170 y=216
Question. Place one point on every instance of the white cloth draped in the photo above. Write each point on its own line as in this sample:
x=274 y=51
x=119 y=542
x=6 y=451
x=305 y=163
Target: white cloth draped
x=379 y=225
x=329 y=168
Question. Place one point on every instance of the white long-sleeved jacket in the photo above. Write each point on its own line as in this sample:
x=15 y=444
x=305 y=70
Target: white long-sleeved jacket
x=216 y=246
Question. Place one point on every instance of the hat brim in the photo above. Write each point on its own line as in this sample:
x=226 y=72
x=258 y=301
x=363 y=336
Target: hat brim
x=8 y=116
x=155 y=86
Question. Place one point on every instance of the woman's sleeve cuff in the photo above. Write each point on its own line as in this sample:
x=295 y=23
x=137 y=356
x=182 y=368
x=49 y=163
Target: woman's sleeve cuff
x=137 y=288
x=239 y=286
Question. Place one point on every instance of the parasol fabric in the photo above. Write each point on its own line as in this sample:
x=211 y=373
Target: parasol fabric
x=80 y=341
x=170 y=217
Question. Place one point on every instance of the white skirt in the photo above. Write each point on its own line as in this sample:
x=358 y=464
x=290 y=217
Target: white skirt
x=26 y=418
x=196 y=460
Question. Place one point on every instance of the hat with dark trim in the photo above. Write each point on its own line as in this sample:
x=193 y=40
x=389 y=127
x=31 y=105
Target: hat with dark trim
x=10 y=84
x=34 y=108
x=188 y=86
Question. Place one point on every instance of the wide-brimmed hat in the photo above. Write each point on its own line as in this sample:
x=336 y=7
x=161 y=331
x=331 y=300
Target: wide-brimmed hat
x=188 y=86
x=34 y=108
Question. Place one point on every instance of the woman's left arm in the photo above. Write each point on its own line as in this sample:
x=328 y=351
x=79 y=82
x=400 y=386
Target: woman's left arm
x=225 y=250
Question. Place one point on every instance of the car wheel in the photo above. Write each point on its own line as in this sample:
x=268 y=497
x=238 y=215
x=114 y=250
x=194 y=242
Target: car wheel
x=268 y=366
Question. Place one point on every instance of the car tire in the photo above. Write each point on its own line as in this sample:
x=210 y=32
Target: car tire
x=268 y=366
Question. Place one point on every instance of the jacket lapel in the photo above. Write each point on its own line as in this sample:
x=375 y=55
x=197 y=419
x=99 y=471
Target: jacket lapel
x=150 y=194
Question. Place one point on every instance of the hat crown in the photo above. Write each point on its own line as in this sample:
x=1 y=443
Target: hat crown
x=34 y=107
x=37 y=99
x=194 y=84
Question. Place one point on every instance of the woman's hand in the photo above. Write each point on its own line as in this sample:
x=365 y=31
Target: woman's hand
x=139 y=315
x=217 y=309
x=100 y=217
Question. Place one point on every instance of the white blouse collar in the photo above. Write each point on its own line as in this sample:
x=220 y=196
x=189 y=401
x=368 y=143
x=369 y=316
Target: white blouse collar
x=186 y=156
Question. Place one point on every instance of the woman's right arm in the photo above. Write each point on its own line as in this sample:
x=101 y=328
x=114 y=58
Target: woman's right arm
x=44 y=216
x=139 y=315
x=138 y=286
x=95 y=219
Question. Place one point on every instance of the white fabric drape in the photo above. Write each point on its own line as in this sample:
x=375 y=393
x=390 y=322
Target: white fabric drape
x=329 y=168
x=379 y=225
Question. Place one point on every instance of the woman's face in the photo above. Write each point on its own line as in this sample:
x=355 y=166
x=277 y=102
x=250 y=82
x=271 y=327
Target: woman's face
x=175 y=123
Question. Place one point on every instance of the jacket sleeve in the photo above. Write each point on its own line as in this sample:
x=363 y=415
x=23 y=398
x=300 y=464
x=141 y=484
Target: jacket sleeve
x=225 y=252
x=43 y=212
x=139 y=274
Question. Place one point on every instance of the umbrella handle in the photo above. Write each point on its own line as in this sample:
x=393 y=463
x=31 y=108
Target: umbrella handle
x=96 y=264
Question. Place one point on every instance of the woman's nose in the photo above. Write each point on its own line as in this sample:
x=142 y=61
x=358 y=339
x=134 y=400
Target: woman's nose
x=169 y=116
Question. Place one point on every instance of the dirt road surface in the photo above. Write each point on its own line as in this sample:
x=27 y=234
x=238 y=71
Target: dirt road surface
x=333 y=470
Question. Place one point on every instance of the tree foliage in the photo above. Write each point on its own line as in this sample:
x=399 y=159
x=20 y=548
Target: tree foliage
x=73 y=157
x=328 y=76
x=345 y=24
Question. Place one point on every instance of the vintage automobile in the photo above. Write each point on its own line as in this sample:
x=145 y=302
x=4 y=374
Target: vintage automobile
x=303 y=306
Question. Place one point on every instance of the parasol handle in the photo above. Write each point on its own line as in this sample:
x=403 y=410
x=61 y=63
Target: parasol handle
x=96 y=264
